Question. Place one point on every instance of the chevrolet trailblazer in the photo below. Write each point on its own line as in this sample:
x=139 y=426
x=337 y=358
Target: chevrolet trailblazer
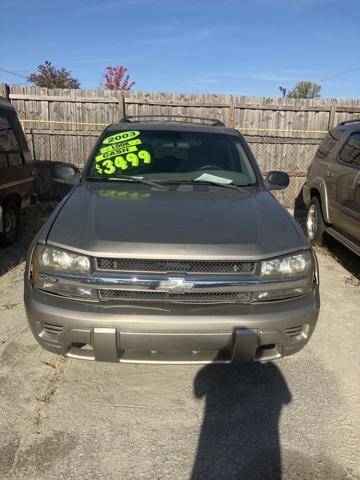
x=171 y=248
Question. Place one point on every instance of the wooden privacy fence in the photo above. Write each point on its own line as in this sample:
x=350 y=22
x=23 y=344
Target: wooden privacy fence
x=62 y=125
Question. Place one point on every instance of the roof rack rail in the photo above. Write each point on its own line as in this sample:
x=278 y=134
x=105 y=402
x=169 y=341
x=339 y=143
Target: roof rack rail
x=213 y=121
x=355 y=120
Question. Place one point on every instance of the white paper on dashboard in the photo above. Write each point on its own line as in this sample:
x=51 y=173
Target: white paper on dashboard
x=207 y=177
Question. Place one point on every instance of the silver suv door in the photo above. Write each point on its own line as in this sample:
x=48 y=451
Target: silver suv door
x=344 y=187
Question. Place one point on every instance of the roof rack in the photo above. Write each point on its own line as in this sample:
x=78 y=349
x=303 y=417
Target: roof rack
x=213 y=121
x=355 y=120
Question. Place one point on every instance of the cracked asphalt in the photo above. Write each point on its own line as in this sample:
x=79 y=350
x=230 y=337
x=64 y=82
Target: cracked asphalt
x=296 y=418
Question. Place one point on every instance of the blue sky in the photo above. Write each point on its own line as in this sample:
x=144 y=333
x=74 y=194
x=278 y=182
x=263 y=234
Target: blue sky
x=245 y=47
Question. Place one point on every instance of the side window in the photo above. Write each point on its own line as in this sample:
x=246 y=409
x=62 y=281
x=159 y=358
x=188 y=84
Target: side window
x=350 y=153
x=327 y=145
x=10 y=150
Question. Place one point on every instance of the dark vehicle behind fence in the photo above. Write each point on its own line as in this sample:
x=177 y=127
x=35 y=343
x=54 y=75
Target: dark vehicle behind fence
x=332 y=189
x=171 y=249
x=16 y=173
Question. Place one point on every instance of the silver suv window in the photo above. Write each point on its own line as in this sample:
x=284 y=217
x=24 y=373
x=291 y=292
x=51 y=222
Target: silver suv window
x=350 y=153
x=327 y=144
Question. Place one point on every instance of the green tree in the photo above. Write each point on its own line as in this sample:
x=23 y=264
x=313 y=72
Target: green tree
x=50 y=77
x=305 y=89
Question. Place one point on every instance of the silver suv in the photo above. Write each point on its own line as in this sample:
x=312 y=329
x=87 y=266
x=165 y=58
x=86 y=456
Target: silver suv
x=332 y=190
x=170 y=248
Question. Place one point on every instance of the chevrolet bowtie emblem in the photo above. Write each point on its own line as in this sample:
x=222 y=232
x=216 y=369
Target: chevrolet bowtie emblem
x=175 y=285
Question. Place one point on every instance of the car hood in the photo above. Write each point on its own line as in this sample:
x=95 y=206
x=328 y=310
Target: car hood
x=203 y=222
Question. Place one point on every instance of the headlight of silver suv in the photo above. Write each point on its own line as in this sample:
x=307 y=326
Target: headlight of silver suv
x=289 y=276
x=49 y=263
x=287 y=267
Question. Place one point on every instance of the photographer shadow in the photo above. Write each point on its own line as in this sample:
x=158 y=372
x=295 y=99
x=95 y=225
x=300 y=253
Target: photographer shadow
x=239 y=437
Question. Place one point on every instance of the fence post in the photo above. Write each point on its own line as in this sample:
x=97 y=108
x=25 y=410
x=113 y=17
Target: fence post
x=122 y=110
x=332 y=113
x=232 y=113
x=32 y=144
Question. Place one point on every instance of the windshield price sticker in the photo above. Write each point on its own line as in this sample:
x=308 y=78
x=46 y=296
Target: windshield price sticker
x=121 y=137
x=115 y=153
x=121 y=163
x=114 y=148
x=121 y=152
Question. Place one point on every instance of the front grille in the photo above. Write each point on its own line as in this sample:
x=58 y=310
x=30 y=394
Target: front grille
x=52 y=328
x=294 y=331
x=175 y=297
x=185 y=266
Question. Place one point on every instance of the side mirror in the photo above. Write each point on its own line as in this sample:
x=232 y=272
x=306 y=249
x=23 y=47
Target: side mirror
x=277 y=180
x=65 y=173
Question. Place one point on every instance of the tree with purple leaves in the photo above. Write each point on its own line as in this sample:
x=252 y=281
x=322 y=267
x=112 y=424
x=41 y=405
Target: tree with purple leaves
x=51 y=77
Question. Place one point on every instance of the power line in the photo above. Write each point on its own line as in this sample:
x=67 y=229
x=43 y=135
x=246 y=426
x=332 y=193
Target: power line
x=12 y=73
x=339 y=74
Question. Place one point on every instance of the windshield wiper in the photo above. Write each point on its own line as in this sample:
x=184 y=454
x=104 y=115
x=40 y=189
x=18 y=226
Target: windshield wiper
x=209 y=182
x=128 y=178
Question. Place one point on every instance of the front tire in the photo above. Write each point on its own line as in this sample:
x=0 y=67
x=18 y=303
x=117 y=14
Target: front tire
x=314 y=223
x=11 y=221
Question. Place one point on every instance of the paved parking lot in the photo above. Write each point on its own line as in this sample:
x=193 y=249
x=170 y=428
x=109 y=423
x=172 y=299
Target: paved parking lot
x=297 y=418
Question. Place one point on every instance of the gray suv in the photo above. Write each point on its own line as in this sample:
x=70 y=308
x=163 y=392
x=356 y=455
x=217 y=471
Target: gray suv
x=332 y=190
x=170 y=248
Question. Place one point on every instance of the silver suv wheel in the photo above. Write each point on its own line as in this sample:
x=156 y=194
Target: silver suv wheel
x=312 y=222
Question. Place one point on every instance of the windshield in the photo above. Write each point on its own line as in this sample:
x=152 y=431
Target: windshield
x=172 y=156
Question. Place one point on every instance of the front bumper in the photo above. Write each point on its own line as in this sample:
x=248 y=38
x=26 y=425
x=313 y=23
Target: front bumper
x=171 y=333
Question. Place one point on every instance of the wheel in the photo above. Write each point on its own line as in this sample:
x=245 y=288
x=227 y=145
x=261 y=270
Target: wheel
x=11 y=220
x=314 y=222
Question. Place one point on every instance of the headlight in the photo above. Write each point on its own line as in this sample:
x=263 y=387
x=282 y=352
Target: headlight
x=48 y=263
x=52 y=259
x=297 y=265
